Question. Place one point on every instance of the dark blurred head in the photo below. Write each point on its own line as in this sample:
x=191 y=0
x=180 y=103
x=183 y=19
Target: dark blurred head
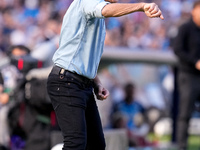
x=196 y=13
x=196 y=3
x=20 y=57
x=129 y=90
x=18 y=50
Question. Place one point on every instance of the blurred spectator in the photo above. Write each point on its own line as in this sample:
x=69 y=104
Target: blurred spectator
x=29 y=108
x=10 y=76
x=45 y=49
x=25 y=109
x=129 y=114
x=29 y=22
x=186 y=47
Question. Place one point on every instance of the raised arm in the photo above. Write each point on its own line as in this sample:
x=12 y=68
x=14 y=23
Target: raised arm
x=121 y=9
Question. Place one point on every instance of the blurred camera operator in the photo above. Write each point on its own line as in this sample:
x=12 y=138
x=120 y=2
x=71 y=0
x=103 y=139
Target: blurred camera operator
x=27 y=116
x=9 y=78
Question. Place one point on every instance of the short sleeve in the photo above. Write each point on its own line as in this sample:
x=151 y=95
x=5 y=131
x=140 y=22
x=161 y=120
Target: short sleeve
x=93 y=8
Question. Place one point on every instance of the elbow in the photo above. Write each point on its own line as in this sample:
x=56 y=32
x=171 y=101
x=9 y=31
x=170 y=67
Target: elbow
x=104 y=13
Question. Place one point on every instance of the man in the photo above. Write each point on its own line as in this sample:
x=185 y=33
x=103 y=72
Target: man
x=9 y=80
x=23 y=116
x=73 y=78
x=129 y=114
x=187 y=48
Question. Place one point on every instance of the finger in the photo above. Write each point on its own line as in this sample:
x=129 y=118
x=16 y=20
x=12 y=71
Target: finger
x=107 y=94
x=155 y=10
x=158 y=14
x=102 y=97
x=152 y=7
x=162 y=17
x=100 y=92
x=147 y=7
x=99 y=97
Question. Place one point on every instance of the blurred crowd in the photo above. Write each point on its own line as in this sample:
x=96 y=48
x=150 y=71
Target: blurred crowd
x=34 y=22
x=36 y=25
x=136 y=31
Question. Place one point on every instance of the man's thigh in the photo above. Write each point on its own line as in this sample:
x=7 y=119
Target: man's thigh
x=69 y=103
x=95 y=134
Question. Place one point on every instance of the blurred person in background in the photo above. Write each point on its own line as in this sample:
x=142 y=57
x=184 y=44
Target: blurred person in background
x=130 y=114
x=28 y=20
x=25 y=107
x=3 y=130
x=10 y=76
x=29 y=107
x=187 y=48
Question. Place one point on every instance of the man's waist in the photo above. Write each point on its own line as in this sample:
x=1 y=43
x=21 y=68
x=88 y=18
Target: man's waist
x=63 y=72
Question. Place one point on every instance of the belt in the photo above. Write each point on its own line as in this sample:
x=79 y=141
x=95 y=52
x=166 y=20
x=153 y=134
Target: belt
x=62 y=72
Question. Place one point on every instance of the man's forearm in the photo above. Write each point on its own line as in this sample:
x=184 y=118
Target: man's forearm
x=121 y=9
x=97 y=82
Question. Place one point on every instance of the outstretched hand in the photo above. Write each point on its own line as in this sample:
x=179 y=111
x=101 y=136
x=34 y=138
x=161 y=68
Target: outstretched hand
x=152 y=10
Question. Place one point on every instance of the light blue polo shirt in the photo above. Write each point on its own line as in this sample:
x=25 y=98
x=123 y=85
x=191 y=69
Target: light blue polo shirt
x=82 y=38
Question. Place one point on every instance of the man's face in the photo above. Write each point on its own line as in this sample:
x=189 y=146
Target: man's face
x=112 y=1
x=18 y=52
x=195 y=15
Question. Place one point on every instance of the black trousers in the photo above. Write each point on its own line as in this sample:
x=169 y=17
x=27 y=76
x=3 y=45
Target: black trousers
x=76 y=111
x=189 y=92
